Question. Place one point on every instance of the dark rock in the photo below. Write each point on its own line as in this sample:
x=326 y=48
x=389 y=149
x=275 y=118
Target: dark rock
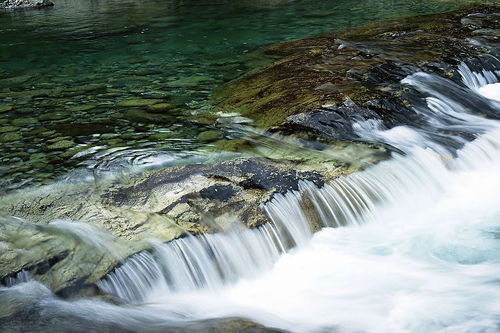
x=218 y=192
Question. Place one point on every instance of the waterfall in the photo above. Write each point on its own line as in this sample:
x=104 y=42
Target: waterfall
x=412 y=181
x=20 y=277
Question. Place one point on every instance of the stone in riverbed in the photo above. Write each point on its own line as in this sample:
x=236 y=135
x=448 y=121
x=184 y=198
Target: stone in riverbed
x=85 y=107
x=60 y=145
x=5 y=108
x=6 y=129
x=53 y=116
x=160 y=107
x=209 y=136
x=24 y=121
x=57 y=139
x=136 y=102
x=138 y=115
x=83 y=89
x=189 y=81
x=165 y=136
x=10 y=137
x=73 y=151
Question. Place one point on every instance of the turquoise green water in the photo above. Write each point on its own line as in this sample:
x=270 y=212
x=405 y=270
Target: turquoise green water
x=66 y=71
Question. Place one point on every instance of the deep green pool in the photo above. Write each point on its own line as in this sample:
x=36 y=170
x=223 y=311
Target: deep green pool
x=66 y=71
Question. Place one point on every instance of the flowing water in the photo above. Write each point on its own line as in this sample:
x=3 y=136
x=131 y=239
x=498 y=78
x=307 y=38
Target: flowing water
x=408 y=245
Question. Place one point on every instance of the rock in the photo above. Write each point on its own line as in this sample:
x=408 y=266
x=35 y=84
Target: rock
x=31 y=316
x=5 y=108
x=10 y=137
x=25 y=4
x=165 y=136
x=60 y=145
x=320 y=86
x=137 y=102
x=73 y=151
x=6 y=129
x=86 y=128
x=141 y=116
x=16 y=80
x=135 y=208
x=85 y=107
x=161 y=107
x=20 y=122
x=209 y=136
x=83 y=89
x=189 y=81
x=53 y=116
x=58 y=138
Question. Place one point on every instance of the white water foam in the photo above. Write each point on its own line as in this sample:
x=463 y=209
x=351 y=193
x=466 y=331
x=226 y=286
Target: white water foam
x=491 y=91
x=417 y=251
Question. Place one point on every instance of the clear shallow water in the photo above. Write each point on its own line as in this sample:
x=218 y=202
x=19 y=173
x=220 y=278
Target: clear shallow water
x=172 y=51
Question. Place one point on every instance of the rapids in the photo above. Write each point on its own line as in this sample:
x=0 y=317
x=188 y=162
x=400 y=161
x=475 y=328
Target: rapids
x=409 y=245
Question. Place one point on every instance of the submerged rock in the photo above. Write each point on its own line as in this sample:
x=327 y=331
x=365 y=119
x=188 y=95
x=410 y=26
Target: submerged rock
x=10 y=137
x=61 y=145
x=136 y=102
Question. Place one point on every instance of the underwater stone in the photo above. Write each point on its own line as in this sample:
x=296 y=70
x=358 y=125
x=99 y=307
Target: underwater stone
x=24 y=121
x=10 y=137
x=53 y=116
x=5 y=108
x=85 y=107
x=60 y=145
x=6 y=129
x=189 y=81
x=139 y=115
x=135 y=102
x=161 y=107
x=209 y=136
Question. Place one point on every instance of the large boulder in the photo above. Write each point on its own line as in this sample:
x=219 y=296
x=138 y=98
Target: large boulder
x=323 y=84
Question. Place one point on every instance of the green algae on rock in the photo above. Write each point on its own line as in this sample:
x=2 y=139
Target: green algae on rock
x=361 y=65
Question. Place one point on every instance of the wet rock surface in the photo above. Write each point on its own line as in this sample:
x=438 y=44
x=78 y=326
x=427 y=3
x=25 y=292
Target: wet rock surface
x=212 y=195
x=35 y=320
x=320 y=86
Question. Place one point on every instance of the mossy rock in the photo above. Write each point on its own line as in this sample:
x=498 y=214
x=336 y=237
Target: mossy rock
x=160 y=107
x=5 y=108
x=138 y=102
x=60 y=145
x=362 y=65
x=10 y=137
